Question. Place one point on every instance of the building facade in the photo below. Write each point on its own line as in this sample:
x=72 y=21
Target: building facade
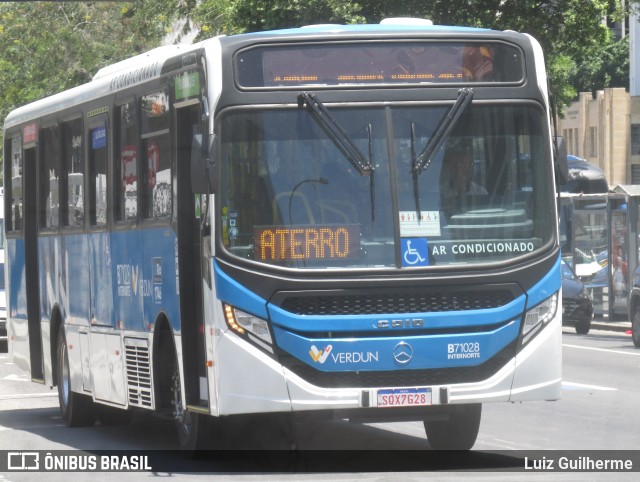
x=604 y=129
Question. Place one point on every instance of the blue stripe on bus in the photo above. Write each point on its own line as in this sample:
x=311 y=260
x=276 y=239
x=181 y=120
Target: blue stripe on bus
x=392 y=353
x=547 y=286
x=377 y=353
x=123 y=280
x=230 y=291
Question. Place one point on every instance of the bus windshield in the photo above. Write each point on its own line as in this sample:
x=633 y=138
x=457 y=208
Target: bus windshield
x=290 y=197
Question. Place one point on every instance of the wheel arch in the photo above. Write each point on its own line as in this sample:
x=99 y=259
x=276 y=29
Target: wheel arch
x=164 y=351
x=56 y=324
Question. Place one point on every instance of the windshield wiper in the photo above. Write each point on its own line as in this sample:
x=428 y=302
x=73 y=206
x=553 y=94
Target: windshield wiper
x=341 y=139
x=441 y=133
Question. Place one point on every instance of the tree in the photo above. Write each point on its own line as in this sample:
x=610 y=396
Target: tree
x=607 y=67
x=52 y=46
x=240 y=16
x=48 y=47
x=572 y=32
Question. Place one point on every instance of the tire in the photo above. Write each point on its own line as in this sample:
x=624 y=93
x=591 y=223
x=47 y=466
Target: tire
x=77 y=410
x=635 y=328
x=192 y=428
x=459 y=432
x=583 y=327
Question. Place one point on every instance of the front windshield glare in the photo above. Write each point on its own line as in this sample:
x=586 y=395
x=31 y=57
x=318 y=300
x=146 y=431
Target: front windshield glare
x=289 y=197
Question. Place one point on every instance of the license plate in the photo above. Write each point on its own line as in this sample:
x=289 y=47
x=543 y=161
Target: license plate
x=404 y=397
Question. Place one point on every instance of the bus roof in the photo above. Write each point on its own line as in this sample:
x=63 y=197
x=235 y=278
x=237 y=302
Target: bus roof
x=148 y=65
x=107 y=80
x=371 y=28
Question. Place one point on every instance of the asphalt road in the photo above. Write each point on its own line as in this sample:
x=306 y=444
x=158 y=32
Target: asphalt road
x=598 y=411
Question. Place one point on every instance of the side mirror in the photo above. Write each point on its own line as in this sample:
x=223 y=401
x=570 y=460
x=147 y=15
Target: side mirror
x=202 y=164
x=560 y=160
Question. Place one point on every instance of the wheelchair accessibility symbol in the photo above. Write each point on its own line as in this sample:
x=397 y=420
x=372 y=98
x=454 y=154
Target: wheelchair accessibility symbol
x=415 y=252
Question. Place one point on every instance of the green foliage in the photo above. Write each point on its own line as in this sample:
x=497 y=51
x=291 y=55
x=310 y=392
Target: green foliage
x=51 y=46
x=579 y=48
x=608 y=66
x=571 y=32
x=239 y=16
x=560 y=68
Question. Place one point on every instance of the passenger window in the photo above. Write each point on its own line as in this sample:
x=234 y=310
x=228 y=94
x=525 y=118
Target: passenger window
x=13 y=185
x=156 y=188
x=49 y=178
x=98 y=157
x=125 y=202
x=72 y=196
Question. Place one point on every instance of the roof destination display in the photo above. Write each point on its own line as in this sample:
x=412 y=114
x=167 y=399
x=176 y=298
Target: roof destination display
x=379 y=63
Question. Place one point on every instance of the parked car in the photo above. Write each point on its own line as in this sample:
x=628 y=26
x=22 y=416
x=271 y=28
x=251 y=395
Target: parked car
x=584 y=177
x=577 y=307
x=634 y=308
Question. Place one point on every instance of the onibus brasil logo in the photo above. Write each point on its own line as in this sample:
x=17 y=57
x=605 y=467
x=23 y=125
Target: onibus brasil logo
x=320 y=355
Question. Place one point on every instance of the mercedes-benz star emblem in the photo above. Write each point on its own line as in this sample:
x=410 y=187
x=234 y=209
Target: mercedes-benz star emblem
x=402 y=353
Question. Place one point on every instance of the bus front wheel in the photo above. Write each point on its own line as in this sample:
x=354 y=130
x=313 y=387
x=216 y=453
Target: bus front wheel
x=77 y=410
x=458 y=430
x=192 y=427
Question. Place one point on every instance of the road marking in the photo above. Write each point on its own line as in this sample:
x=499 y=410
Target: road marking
x=28 y=395
x=603 y=349
x=582 y=386
x=16 y=378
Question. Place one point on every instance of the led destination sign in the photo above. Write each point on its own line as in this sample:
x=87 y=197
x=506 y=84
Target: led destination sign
x=393 y=62
x=280 y=243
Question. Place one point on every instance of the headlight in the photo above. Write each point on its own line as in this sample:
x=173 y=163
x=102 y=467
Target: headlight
x=249 y=326
x=538 y=316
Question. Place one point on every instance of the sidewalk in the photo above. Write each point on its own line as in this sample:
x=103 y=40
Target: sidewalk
x=604 y=324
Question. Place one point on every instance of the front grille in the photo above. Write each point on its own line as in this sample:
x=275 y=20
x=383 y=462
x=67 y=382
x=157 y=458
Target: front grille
x=402 y=377
x=377 y=304
x=569 y=305
x=574 y=311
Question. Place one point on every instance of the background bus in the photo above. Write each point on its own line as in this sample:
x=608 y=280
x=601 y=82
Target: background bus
x=276 y=223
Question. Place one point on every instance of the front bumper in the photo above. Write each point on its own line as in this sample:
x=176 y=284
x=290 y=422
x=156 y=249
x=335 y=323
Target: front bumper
x=255 y=382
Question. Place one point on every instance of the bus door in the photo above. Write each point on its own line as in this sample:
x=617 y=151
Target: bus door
x=190 y=258
x=31 y=262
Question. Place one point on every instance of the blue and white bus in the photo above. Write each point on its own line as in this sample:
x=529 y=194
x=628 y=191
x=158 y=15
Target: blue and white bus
x=275 y=223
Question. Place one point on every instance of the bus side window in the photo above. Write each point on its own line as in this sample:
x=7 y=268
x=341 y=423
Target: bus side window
x=156 y=181
x=157 y=186
x=125 y=168
x=49 y=178
x=98 y=176
x=13 y=184
x=72 y=195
